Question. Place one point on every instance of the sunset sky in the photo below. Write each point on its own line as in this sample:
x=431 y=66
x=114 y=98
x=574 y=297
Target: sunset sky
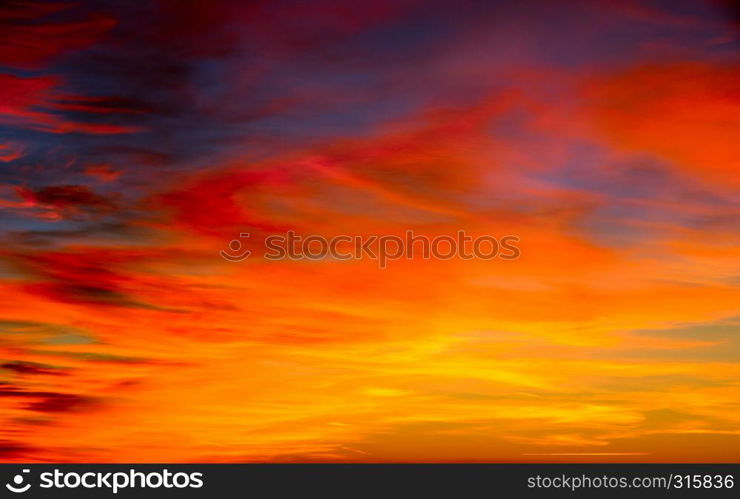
x=137 y=139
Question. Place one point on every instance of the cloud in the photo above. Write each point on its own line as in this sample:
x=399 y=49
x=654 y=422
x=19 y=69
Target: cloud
x=92 y=278
x=218 y=203
x=31 y=368
x=684 y=113
x=10 y=151
x=15 y=450
x=31 y=40
x=28 y=102
x=554 y=121
x=59 y=402
x=29 y=44
x=68 y=200
x=103 y=172
x=48 y=402
x=74 y=203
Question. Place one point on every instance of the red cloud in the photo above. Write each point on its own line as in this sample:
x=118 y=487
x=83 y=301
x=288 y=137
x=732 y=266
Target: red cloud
x=27 y=103
x=10 y=151
x=688 y=114
x=28 y=40
x=216 y=204
x=27 y=43
x=62 y=201
x=103 y=172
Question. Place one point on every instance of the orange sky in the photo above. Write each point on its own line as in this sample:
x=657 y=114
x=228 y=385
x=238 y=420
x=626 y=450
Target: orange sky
x=605 y=136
